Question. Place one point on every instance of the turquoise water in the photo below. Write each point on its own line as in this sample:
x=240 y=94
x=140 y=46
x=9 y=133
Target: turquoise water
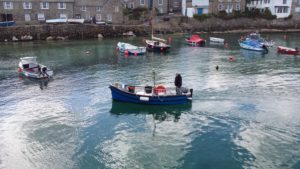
x=246 y=115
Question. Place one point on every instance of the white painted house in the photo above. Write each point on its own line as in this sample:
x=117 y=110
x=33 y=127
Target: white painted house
x=192 y=7
x=280 y=8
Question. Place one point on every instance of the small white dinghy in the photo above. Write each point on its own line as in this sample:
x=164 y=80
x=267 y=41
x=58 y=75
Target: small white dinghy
x=131 y=49
x=29 y=67
x=216 y=40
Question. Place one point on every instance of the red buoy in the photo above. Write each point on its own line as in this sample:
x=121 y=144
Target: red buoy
x=135 y=54
x=226 y=45
x=170 y=40
x=231 y=58
x=126 y=52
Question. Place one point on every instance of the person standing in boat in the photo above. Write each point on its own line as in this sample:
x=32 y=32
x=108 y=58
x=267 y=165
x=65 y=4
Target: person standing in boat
x=178 y=83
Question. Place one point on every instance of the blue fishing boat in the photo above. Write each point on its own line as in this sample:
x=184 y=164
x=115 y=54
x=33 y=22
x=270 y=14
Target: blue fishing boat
x=157 y=95
x=253 y=45
x=7 y=23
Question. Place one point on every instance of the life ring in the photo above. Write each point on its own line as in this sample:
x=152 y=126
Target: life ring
x=160 y=89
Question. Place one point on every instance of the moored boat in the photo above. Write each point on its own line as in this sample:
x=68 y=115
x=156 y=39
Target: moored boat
x=216 y=40
x=57 y=21
x=195 y=40
x=75 y=21
x=256 y=36
x=157 y=95
x=288 y=51
x=131 y=49
x=7 y=23
x=157 y=45
x=253 y=45
x=29 y=67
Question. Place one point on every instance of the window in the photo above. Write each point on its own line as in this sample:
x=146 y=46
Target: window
x=142 y=2
x=41 y=16
x=8 y=5
x=98 y=17
x=61 y=5
x=116 y=9
x=109 y=18
x=298 y=2
x=27 y=17
x=131 y=5
x=160 y=2
x=98 y=8
x=220 y=7
x=237 y=7
x=63 y=16
x=284 y=2
x=281 y=9
x=83 y=8
x=266 y=1
x=44 y=5
x=27 y=5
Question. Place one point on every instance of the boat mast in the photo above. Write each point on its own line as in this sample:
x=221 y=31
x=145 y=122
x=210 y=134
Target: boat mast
x=153 y=73
x=152 y=17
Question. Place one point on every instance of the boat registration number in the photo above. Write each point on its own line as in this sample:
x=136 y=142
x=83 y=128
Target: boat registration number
x=144 y=98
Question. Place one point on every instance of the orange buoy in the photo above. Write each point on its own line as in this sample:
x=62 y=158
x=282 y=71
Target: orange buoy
x=160 y=89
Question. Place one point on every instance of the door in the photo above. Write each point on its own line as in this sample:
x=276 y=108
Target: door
x=27 y=17
x=200 y=11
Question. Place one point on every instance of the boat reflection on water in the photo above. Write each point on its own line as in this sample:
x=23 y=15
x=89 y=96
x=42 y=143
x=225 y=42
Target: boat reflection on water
x=248 y=54
x=159 y=113
x=43 y=83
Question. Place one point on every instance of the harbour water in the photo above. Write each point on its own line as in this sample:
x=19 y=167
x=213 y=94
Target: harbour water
x=245 y=115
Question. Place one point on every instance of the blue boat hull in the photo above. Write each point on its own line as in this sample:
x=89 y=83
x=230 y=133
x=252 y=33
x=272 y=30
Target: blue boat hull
x=253 y=45
x=8 y=23
x=124 y=96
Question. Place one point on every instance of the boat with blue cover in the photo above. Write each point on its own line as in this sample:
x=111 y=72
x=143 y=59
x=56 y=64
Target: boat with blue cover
x=253 y=45
x=157 y=95
x=7 y=23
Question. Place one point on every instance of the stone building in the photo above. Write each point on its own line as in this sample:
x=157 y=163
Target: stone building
x=296 y=9
x=163 y=6
x=109 y=11
x=215 y=6
x=35 y=11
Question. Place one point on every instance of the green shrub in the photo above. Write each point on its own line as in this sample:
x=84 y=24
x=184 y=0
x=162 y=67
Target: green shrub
x=202 y=17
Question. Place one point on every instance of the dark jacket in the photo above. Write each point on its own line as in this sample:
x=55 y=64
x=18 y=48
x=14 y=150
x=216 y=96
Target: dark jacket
x=178 y=81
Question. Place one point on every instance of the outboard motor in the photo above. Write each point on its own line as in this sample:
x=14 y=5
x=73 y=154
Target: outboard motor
x=266 y=49
x=44 y=71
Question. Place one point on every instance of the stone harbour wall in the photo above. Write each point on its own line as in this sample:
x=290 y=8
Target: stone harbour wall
x=174 y=25
x=67 y=31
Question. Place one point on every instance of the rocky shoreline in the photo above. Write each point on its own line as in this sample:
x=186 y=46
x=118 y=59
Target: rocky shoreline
x=175 y=25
